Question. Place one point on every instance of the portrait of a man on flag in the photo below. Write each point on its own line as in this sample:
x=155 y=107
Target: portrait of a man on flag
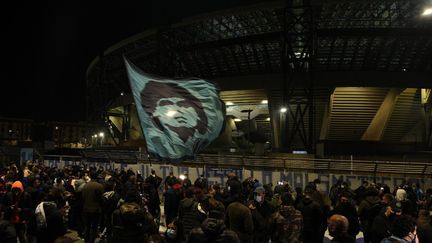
x=178 y=117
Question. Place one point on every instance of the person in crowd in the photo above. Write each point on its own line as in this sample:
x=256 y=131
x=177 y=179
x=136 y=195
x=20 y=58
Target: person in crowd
x=110 y=200
x=338 y=227
x=335 y=190
x=190 y=214
x=213 y=228
x=18 y=205
x=7 y=231
x=130 y=184
x=346 y=208
x=239 y=220
x=131 y=222
x=186 y=182
x=215 y=192
x=152 y=190
x=382 y=223
x=368 y=209
x=387 y=199
x=288 y=221
x=417 y=191
x=201 y=182
x=48 y=218
x=170 y=180
x=171 y=202
x=408 y=207
x=360 y=192
x=403 y=230
x=233 y=189
x=92 y=196
x=313 y=218
x=298 y=196
x=262 y=211
x=35 y=190
x=424 y=224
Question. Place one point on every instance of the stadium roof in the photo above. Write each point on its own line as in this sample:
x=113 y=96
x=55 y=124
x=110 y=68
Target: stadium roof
x=343 y=43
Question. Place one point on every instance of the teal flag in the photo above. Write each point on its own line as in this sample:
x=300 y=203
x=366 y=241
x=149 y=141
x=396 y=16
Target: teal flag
x=178 y=117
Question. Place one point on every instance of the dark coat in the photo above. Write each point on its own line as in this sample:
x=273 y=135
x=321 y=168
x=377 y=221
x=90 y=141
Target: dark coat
x=381 y=227
x=262 y=218
x=349 y=211
x=213 y=231
x=132 y=224
x=7 y=232
x=343 y=238
x=239 y=218
x=312 y=220
x=92 y=194
x=24 y=202
x=55 y=225
x=171 y=204
x=424 y=233
x=189 y=216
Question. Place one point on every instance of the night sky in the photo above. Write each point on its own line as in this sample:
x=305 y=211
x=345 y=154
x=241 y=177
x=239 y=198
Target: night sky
x=49 y=45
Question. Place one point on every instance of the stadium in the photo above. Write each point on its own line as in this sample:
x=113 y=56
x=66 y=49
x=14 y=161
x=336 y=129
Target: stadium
x=354 y=76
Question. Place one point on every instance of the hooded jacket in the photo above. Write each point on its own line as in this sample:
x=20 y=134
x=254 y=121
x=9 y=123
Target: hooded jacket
x=18 y=208
x=189 y=216
x=213 y=231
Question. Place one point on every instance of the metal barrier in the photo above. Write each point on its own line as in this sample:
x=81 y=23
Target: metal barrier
x=276 y=163
x=313 y=165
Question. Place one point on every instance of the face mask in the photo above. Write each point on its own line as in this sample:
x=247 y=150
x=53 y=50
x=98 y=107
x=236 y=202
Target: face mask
x=171 y=233
x=258 y=198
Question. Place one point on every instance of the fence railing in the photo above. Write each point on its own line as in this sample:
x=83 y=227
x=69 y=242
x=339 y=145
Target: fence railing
x=375 y=167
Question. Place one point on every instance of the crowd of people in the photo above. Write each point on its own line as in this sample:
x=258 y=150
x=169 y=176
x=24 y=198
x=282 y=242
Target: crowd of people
x=41 y=204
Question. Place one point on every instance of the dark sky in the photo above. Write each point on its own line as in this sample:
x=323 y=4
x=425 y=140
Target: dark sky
x=49 y=45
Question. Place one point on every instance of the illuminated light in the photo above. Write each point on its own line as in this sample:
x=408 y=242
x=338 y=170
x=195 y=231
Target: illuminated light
x=237 y=120
x=10 y=130
x=404 y=69
x=299 y=152
x=427 y=11
x=121 y=93
x=268 y=119
x=171 y=113
x=101 y=134
x=229 y=103
x=264 y=102
x=182 y=177
x=56 y=128
x=283 y=110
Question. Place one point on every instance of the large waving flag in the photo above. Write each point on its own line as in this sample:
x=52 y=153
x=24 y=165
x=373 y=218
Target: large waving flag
x=178 y=117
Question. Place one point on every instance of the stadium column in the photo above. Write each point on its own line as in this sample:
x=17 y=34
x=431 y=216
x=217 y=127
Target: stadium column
x=296 y=113
x=375 y=130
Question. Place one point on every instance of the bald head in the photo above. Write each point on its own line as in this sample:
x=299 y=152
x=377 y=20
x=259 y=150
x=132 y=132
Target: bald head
x=338 y=224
